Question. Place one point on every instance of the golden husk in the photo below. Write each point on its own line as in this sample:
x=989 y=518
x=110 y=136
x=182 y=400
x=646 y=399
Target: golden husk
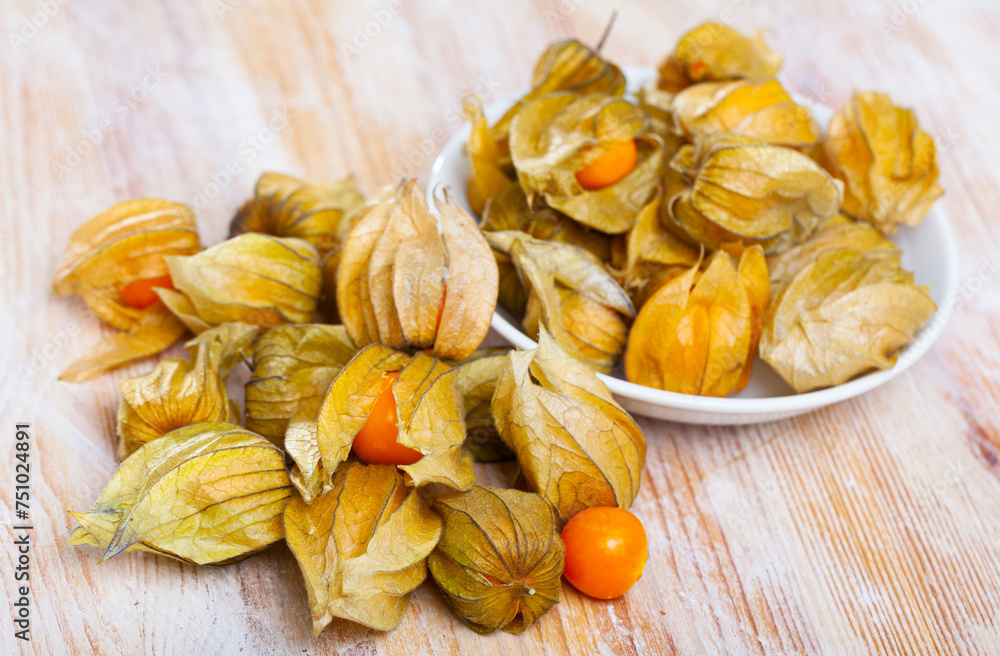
x=698 y=333
x=284 y=206
x=887 y=162
x=510 y=537
x=714 y=51
x=554 y=136
x=252 y=278
x=211 y=493
x=845 y=313
x=576 y=446
x=746 y=191
x=403 y=283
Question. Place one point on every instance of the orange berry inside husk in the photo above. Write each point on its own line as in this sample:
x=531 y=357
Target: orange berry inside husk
x=139 y=293
x=376 y=442
x=617 y=162
x=605 y=551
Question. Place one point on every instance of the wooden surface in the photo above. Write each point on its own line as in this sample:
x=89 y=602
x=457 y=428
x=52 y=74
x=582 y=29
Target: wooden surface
x=869 y=527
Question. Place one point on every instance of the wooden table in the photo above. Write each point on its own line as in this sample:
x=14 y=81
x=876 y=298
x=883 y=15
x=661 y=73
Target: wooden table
x=869 y=527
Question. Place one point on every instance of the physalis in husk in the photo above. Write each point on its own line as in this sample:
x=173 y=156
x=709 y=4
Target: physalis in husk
x=362 y=545
x=209 y=493
x=565 y=66
x=571 y=294
x=652 y=254
x=509 y=210
x=404 y=283
x=476 y=380
x=253 y=278
x=284 y=206
x=490 y=173
x=387 y=407
x=180 y=392
x=698 y=332
x=592 y=157
x=747 y=191
x=839 y=231
x=845 y=313
x=293 y=366
x=114 y=262
x=887 y=162
x=500 y=558
x=576 y=446
x=760 y=109
x=714 y=51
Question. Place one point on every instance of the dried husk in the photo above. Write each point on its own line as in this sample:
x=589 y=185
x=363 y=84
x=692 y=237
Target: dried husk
x=887 y=162
x=508 y=536
x=156 y=330
x=180 y=392
x=509 y=210
x=488 y=166
x=554 y=136
x=568 y=65
x=362 y=546
x=292 y=365
x=284 y=206
x=658 y=106
x=330 y=262
x=698 y=333
x=839 y=231
x=576 y=446
x=577 y=300
x=845 y=313
x=653 y=254
x=327 y=306
x=403 y=283
x=252 y=278
x=714 y=51
x=760 y=109
x=211 y=493
x=482 y=439
x=746 y=191
x=124 y=244
x=476 y=380
x=430 y=411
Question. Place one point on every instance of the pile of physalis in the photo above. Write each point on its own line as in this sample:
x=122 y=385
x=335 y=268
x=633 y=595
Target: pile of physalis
x=705 y=219
x=360 y=440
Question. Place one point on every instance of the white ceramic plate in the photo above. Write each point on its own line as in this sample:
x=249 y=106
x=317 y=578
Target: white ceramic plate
x=928 y=250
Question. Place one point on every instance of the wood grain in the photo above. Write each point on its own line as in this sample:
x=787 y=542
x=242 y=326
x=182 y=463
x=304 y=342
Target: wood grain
x=869 y=527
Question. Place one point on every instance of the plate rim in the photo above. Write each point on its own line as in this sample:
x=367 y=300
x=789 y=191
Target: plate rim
x=935 y=219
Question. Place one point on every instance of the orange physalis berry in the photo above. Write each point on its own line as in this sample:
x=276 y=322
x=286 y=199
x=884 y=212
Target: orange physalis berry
x=140 y=294
x=605 y=551
x=376 y=442
x=609 y=168
x=698 y=67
